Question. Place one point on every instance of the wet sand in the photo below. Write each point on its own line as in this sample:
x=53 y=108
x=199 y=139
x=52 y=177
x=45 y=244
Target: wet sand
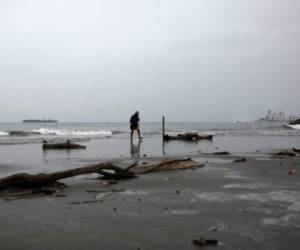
x=249 y=205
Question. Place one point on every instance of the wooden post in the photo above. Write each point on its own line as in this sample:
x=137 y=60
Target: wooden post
x=163 y=128
x=163 y=136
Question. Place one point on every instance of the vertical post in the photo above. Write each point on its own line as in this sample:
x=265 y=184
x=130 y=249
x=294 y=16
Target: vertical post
x=163 y=128
x=163 y=136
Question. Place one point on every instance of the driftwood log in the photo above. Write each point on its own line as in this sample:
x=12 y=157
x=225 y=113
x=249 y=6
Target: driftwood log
x=221 y=153
x=24 y=180
x=188 y=137
x=285 y=153
x=67 y=145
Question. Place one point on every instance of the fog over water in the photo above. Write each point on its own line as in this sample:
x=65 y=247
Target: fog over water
x=195 y=60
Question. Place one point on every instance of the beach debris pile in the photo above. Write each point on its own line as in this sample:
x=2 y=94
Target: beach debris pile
x=107 y=170
x=188 y=137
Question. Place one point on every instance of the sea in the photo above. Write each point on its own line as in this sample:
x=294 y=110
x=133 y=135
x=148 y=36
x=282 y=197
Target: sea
x=24 y=133
x=21 y=143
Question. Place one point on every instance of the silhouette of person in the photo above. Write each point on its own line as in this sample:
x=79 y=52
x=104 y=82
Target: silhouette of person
x=134 y=124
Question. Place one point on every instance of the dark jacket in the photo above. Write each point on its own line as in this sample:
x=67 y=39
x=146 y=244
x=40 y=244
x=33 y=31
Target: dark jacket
x=134 y=120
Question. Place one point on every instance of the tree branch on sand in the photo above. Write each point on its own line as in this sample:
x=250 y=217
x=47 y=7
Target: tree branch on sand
x=106 y=169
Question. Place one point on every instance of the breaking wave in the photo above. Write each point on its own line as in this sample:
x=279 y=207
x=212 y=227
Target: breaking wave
x=297 y=126
x=3 y=133
x=46 y=131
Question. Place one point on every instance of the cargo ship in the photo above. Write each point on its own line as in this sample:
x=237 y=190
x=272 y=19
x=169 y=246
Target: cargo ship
x=39 y=121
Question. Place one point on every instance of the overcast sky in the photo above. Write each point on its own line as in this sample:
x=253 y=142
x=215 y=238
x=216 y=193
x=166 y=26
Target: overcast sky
x=192 y=60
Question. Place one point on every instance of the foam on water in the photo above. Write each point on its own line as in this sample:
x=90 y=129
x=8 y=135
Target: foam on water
x=3 y=133
x=297 y=126
x=47 y=131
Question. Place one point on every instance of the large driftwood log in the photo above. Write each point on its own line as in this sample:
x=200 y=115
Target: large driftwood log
x=23 y=180
x=175 y=164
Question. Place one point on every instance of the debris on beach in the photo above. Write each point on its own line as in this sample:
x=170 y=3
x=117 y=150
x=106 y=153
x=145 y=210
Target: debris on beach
x=66 y=145
x=221 y=153
x=204 y=242
x=296 y=150
x=285 y=153
x=105 y=191
x=25 y=193
x=295 y=122
x=167 y=165
x=84 y=202
x=33 y=182
x=188 y=137
x=240 y=160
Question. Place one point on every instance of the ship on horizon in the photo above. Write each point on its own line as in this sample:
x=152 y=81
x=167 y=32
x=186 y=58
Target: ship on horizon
x=39 y=121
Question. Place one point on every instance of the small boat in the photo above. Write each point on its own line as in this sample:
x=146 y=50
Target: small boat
x=188 y=137
x=66 y=145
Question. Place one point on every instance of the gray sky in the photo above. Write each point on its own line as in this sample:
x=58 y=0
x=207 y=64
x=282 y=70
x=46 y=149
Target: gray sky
x=193 y=60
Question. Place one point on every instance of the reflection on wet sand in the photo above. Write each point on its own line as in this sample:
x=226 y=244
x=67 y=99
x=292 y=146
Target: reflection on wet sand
x=135 y=149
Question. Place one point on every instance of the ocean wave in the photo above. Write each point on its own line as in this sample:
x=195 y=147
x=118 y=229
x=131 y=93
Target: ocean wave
x=3 y=133
x=46 y=131
x=297 y=126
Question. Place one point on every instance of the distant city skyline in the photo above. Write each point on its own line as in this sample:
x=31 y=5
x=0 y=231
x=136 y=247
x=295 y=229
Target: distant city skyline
x=193 y=61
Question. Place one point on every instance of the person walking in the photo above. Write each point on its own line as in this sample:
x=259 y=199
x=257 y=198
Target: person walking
x=134 y=124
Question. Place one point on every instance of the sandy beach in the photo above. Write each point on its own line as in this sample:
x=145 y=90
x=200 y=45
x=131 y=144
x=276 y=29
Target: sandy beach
x=243 y=205
x=248 y=205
